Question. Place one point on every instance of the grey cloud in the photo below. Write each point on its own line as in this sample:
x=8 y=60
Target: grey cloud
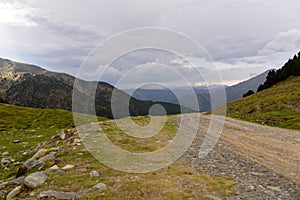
x=233 y=32
x=284 y=41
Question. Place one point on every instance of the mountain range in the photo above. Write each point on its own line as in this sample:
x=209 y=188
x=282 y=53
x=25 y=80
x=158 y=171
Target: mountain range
x=32 y=86
x=203 y=93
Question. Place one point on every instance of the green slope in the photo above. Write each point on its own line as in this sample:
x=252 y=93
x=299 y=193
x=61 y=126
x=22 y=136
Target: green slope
x=276 y=106
x=30 y=126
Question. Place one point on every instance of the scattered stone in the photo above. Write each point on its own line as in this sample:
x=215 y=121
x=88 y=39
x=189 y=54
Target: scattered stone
x=16 y=181
x=116 y=179
x=25 y=143
x=58 y=161
x=32 y=194
x=5 y=161
x=48 y=157
x=2 y=193
x=17 y=163
x=212 y=197
x=62 y=135
x=298 y=194
x=37 y=160
x=3 y=185
x=94 y=173
x=22 y=170
x=14 y=192
x=260 y=187
x=60 y=172
x=16 y=141
x=54 y=167
x=277 y=189
x=6 y=153
x=68 y=167
x=257 y=174
x=99 y=186
x=35 y=179
x=60 y=195
x=251 y=187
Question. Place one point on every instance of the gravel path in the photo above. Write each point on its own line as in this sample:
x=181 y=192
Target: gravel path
x=263 y=160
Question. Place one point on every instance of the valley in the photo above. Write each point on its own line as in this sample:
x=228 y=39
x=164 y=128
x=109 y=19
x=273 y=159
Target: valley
x=249 y=161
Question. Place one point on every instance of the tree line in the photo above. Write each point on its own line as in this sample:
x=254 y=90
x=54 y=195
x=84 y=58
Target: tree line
x=290 y=68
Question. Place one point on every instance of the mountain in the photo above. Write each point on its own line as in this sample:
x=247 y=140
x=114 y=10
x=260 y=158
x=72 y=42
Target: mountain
x=278 y=105
x=277 y=101
x=233 y=93
x=32 y=86
x=290 y=68
x=168 y=95
x=236 y=92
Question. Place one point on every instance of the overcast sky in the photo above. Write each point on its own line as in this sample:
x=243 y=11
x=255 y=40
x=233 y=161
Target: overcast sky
x=243 y=38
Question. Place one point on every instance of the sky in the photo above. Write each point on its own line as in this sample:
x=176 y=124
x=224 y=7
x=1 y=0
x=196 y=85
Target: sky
x=242 y=38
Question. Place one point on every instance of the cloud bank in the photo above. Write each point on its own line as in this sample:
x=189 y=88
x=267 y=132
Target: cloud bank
x=242 y=37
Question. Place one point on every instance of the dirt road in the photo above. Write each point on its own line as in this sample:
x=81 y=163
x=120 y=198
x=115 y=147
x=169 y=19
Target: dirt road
x=265 y=161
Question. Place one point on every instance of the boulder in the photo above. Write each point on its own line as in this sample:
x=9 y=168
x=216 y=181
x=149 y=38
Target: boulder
x=35 y=179
x=16 y=181
x=94 y=173
x=60 y=172
x=60 y=195
x=68 y=167
x=17 y=190
x=99 y=186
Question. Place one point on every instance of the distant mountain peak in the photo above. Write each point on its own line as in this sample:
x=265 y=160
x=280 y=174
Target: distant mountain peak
x=32 y=86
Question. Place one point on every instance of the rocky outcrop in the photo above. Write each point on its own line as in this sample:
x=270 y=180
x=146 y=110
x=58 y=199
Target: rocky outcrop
x=35 y=179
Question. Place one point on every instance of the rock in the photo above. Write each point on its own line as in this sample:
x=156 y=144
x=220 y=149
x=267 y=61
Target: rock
x=16 y=141
x=257 y=174
x=94 y=173
x=251 y=187
x=17 y=163
x=2 y=193
x=5 y=161
x=260 y=187
x=25 y=143
x=62 y=135
x=276 y=189
x=54 y=167
x=32 y=194
x=213 y=197
x=60 y=195
x=16 y=181
x=14 y=192
x=68 y=167
x=38 y=165
x=22 y=170
x=30 y=163
x=6 y=153
x=37 y=160
x=298 y=194
x=99 y=186
x=76 y=140
x=60 y=172
x=35 y=179
x=48 y=157
x=58 y=161
x=117 y=179
x=3 y=185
